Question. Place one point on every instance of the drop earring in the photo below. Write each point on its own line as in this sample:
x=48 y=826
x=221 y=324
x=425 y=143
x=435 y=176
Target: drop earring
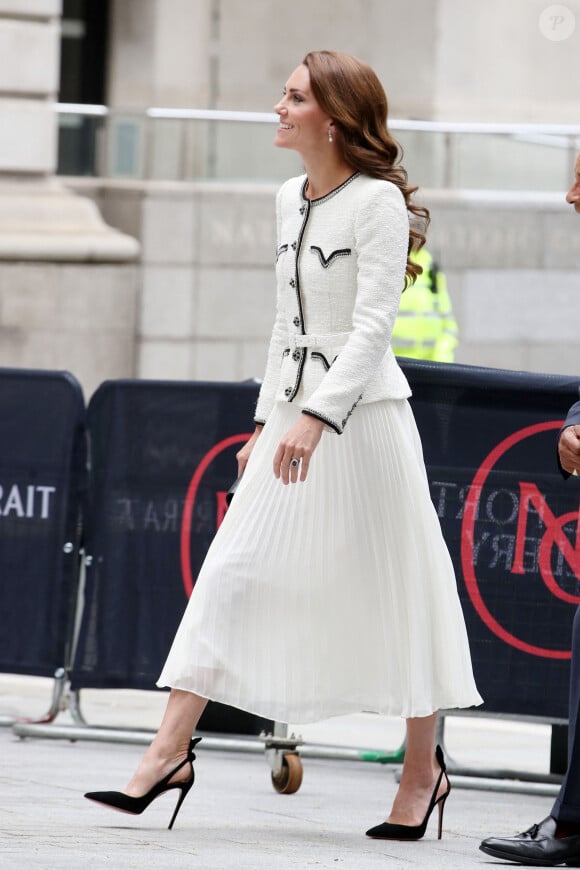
x=330 y=136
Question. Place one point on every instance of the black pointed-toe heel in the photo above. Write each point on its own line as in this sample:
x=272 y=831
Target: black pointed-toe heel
x=125 y=803
x=388 y=831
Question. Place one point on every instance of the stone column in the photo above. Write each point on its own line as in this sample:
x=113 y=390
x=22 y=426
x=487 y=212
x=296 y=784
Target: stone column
x=67 y=280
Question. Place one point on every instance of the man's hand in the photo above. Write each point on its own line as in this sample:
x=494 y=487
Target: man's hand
x=569 y=449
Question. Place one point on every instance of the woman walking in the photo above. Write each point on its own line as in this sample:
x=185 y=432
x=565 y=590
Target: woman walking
x=328 y=588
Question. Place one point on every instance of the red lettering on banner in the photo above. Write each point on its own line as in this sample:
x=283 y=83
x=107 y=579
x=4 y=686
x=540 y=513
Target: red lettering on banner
x=190 y=503
x=221 y=507
x=554 y=536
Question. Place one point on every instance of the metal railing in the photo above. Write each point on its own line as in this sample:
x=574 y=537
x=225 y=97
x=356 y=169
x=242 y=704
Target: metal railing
x=212 y=144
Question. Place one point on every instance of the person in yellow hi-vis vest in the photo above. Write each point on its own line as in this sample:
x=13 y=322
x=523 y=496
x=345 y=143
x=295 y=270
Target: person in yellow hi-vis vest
x=425 y=327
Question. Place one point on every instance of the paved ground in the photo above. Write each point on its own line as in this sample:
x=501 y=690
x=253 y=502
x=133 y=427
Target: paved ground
x=233 y=818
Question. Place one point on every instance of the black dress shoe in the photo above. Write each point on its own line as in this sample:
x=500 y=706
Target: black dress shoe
x=536 y=847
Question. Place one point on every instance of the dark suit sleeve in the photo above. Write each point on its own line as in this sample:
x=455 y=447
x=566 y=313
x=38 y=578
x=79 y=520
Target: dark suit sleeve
x=572 y=419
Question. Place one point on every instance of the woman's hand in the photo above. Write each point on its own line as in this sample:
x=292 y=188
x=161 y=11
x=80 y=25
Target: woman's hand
x=244 y=453
x=298 y=443
x=569 y=449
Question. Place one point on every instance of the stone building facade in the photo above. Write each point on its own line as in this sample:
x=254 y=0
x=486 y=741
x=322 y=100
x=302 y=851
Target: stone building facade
x=113 y=277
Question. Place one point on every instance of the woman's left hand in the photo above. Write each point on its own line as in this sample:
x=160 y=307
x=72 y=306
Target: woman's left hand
x=299 y=444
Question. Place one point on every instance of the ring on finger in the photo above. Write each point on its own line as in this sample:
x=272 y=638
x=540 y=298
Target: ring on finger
x=294 y=463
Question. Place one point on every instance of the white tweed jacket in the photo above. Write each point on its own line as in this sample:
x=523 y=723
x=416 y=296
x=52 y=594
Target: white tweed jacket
x=340 y=272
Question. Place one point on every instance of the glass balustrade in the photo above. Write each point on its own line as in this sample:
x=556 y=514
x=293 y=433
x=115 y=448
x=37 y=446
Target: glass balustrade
x=187 y=145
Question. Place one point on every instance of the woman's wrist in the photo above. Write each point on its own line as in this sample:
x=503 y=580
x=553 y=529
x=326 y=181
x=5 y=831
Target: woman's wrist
x=316 y=422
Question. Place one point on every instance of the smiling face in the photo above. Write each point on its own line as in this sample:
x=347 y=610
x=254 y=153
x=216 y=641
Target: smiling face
x=303 y=125
x=573 y=195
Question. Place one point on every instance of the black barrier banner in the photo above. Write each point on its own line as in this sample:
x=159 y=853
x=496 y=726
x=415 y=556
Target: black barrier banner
x=42 y=477
x=163 y=457
x=510 y=522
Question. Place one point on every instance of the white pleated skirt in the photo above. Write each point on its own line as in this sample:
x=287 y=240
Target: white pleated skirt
x=332 y=596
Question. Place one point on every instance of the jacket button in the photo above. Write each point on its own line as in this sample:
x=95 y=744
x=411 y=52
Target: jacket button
x=296 y=355
x=294 y=246
x=292 y=282
x=287 y=391
x=302 y=209
x=296 y=321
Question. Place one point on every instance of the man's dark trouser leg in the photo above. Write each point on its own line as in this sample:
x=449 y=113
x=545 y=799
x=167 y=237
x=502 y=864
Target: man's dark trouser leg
x=567 y=805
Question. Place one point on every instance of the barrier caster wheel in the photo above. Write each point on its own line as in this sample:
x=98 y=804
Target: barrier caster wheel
x=289 y=779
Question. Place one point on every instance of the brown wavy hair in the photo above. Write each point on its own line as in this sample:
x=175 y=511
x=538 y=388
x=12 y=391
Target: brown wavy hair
x=349 y=91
